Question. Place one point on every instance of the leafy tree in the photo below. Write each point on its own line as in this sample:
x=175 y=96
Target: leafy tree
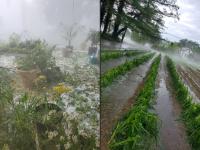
x=144 y=17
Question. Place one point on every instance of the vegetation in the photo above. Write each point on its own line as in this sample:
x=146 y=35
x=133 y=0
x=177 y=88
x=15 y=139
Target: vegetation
x=145 y=18
x=59 y=111
x=138 y=128
x=40 y=57
x=108 y=77
x=105 y=56
x=191 y=110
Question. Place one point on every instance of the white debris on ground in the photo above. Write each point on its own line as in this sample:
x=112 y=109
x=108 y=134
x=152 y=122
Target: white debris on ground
x=82 y=104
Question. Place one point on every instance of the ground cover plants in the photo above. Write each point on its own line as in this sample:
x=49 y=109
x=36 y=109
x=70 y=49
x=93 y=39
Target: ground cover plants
x=138 y=129
x=190 y=110
x=105 y=56
x=60 y=110
x=108 y=77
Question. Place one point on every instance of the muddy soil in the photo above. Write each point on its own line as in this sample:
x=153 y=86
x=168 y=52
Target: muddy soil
x=192 y=79
x=172 y=134
x=117 y=99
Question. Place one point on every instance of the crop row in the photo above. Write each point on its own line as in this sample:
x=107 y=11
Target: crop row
x=108 y=77
x=105 y=56
x=191 y=111
x=138 y=129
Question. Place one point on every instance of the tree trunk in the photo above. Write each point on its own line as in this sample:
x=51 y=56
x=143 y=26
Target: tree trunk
x=110 y=4
x=118 y=18
x=123 y=35
x=103 y=11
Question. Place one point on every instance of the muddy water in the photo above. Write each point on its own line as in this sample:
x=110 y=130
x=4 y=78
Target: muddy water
x=172 y=132
x=116 y=100
x=105 y=66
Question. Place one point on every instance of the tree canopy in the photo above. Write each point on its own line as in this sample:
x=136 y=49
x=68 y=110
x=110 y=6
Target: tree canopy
x=144 y=17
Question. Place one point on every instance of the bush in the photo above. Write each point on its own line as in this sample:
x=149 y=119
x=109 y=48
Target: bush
x=40 y=57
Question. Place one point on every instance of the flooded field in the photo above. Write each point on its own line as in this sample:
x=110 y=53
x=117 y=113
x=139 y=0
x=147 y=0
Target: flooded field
x=120 y=98
x=117 y=99
x=172 y=131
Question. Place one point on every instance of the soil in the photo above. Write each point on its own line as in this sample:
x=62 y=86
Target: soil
x=28 y=78
x=191 y=78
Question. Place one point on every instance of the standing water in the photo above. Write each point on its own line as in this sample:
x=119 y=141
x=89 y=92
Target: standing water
x=172 y=133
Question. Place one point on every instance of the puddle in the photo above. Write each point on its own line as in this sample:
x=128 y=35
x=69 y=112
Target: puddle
x=172 y=133
x=117 y=97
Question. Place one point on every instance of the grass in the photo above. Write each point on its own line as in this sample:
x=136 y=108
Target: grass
x=191 y=111
x=108 y=77
x=138 y=128
x=105 y=56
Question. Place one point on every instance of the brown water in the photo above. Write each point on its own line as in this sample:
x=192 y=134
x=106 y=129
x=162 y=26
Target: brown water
x=172 y=132
x=117 y=99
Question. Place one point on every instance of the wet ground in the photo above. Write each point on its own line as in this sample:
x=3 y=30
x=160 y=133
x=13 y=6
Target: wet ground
x=191 y=77
x=118 y=98
x=110 y=64
x=172 y=132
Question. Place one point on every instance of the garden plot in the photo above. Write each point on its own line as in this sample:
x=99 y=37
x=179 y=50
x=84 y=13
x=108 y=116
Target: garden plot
x=191 y=76
x=49 y=102
x=114 y=62
x=172 y=132
x=115 y=104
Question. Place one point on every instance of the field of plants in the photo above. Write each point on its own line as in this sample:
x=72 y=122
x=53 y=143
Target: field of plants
x=47 y=101
x=150 y=101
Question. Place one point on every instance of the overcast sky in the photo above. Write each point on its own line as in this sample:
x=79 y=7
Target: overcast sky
x=189 y=24
x=43 y=18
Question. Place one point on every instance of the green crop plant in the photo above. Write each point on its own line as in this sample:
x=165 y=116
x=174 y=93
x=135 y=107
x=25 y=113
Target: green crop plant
x=105 y=56
x=138 y=129
x=108 y=77
x=191 y=111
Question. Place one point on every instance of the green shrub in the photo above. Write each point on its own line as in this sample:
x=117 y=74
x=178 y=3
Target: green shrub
x=40 y=57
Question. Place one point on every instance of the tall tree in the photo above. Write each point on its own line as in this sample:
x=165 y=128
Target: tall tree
x=144 y=16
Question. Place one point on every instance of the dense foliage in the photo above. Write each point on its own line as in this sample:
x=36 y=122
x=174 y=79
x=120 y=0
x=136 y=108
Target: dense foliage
x=191 y=110
x=144 y=18
x=138 y=128
x=40 y=57
x=109 y=76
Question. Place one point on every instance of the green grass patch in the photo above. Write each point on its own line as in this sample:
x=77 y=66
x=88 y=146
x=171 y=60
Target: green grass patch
x=138 y=129
x=191 y=111
x=108 y=77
